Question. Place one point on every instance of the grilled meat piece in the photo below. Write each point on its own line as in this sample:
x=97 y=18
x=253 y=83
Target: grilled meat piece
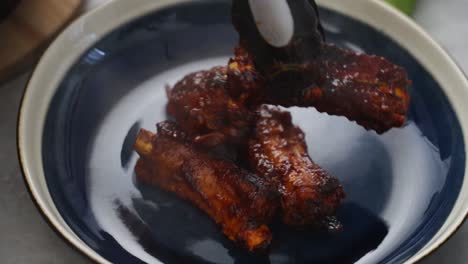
x=240 y=202
x=277 y=151
x=367 y=89
x=202 y=107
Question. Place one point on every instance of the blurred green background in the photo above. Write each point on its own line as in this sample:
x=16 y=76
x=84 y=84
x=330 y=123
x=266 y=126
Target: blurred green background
x=407 y=6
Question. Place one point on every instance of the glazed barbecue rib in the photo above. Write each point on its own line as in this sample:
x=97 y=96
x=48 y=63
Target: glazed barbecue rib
x=367 y=89
x=308 y=72
x=202 y=107
x=277 y=150
x=240 y=202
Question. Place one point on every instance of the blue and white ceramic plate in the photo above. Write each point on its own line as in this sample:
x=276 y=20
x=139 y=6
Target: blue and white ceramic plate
x=103 y=78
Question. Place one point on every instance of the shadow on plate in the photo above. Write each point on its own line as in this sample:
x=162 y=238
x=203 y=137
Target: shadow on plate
x=174 y=231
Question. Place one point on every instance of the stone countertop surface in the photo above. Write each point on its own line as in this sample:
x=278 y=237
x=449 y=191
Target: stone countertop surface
x=26 y=237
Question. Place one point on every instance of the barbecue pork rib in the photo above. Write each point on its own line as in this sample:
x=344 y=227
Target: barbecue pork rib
x=278 y=151
x=242 y=203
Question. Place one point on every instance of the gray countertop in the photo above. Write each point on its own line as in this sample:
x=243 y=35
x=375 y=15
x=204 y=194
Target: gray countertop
x=26 y=238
